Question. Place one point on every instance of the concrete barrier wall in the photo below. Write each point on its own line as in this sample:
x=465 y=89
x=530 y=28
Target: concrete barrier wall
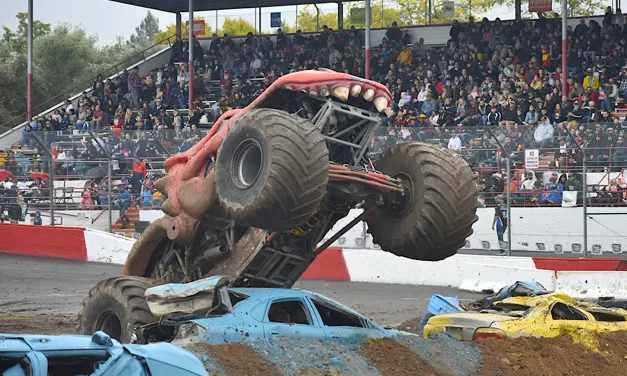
x=105 y=247
x=585 y=279
x=592 y=285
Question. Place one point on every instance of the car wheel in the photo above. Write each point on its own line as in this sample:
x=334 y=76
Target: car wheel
x=116 y=306
x=272 y=170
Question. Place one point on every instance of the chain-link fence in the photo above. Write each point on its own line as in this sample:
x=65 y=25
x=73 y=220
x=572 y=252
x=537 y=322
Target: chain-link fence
x=101 y=179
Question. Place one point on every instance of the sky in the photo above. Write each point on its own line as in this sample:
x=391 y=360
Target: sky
x=108 y=20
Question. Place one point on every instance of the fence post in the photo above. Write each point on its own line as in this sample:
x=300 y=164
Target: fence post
x=109 y=193
x=506 y=152
x=584 y=183
x=48 y=153
x=509 y=206
x=51 y=187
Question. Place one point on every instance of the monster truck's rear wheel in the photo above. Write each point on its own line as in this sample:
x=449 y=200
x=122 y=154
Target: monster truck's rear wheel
x=116 y=306
x=433 y=219
x=272 y=170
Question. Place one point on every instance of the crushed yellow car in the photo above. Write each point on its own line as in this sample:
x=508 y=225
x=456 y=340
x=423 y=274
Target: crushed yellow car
x=548 y=315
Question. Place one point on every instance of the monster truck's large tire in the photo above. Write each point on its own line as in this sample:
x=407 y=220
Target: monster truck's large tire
x=433 y=219
x=272 y=170
x=116 y=306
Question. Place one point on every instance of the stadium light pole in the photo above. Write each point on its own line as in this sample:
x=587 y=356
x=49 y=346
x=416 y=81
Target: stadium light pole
x=190 y=34
x=564 y=48
x=367 y=39
x=29 y=84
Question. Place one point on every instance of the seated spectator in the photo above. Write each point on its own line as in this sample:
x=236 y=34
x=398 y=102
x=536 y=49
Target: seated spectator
x=543 y=135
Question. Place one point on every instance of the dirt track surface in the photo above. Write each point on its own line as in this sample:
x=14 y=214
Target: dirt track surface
x=43 y=295
x=409 y=356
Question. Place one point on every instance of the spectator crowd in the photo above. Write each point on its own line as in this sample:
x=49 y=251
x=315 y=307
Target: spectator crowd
x=501 y=75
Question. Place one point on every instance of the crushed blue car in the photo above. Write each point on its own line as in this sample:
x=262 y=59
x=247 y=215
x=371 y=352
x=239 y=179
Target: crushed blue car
x=442 y=305
x=208 y=311
x=98 y=355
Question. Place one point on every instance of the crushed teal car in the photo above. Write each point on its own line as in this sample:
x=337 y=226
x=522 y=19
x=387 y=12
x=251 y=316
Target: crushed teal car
x=98 y=355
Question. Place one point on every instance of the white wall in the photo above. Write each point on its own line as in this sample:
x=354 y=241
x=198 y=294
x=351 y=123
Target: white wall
x=532 y=228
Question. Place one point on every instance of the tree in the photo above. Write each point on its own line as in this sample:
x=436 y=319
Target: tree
x=380 y=18
x=308 y=20
x=287 y=28
x=236 y=27
x=145 y=32
x=170 y=30
x=63 y=60
x=18 y=39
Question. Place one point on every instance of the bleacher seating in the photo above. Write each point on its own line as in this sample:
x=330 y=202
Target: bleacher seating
x=509 y=62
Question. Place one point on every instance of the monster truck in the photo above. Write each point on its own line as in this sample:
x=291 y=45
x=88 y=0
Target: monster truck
x=258 y=194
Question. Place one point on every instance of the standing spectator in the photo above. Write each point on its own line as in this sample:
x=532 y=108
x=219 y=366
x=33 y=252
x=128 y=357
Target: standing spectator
x=134 y=85
x=124 y=200
x=500 y=221
x=138 y=173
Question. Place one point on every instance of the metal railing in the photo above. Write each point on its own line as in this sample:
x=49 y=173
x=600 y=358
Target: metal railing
x=103 y=160
x=83 y=85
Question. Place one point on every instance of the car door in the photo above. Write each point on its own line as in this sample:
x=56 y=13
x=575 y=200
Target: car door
x=340 y=324
x=291 y=317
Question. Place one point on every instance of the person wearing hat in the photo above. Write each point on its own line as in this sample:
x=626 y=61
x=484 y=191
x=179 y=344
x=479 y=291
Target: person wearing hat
x=590 y=81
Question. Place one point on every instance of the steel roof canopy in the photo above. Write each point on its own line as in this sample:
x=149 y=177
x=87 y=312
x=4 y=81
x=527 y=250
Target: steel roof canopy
x=182 y=6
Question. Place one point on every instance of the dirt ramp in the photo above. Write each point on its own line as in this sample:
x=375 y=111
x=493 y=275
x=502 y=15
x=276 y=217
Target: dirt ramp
x=392 y=358
x=554 y=357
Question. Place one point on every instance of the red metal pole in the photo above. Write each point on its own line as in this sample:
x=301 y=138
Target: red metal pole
x=367 y=55
x=190 y=33
x=29 y=84
x=564 y=48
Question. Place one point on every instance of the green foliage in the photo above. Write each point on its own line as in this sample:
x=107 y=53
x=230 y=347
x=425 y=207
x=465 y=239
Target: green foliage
x=18 y=39
x=146 y=30
x=236 y=27
x=64 y=59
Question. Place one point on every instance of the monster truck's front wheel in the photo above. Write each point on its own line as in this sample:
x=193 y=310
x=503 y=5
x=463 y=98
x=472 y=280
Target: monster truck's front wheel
x=435 y=216
x=116 y=306
x=272 y=170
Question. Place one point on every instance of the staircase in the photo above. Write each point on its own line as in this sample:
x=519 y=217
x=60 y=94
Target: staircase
x=621 y=111
x=132 y=214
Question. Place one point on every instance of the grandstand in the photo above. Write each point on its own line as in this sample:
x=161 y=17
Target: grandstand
x=483 y=89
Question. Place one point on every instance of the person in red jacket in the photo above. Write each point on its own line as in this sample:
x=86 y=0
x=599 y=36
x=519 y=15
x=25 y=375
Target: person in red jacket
x=139 y=171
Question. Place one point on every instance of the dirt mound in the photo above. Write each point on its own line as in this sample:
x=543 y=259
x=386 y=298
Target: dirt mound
x=320 y=372
x=411 y=326
x=391 y=358
x=236 y=359
x=558 y=356
x=41 y=324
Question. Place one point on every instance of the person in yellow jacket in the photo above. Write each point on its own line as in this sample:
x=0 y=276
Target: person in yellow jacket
x=405 y=56
x=591 y=81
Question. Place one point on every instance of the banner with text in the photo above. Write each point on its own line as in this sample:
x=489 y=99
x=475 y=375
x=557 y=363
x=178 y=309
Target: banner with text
x=199 y=27
x=275 y=19
x=540 y=6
